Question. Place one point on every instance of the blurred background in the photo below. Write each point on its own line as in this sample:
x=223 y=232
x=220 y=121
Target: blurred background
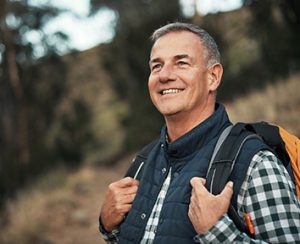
x=74 y=102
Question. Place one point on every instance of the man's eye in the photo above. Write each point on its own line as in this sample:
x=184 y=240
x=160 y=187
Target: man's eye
x=156 y=67
x=182 y=63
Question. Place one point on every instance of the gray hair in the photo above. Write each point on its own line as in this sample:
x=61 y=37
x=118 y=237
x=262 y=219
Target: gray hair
x=211 y=51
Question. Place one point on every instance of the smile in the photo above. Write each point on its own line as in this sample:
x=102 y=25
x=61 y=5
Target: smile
x=171 y=91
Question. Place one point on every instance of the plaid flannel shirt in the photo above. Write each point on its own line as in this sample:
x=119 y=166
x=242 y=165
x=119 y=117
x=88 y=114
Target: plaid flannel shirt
x=267 y=194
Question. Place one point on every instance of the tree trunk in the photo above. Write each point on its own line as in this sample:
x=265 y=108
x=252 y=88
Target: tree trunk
x=21 y=131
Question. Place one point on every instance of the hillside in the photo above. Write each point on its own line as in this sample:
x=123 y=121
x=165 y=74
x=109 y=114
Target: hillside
x=60 y=208
x=91 y=84
x=278 y=104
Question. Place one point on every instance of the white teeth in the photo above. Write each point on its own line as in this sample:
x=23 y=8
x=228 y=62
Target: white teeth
x=169 y=91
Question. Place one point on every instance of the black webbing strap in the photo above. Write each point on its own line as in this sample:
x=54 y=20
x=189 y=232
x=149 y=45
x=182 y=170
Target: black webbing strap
x=224 y=160
x=137 y=165
x=272 y=137
x=222 y=166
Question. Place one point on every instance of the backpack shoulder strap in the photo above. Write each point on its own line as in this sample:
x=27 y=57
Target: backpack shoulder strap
x=225 y=155
x=272 y=137
x=138 y=162
x=219 y=143
x=222 y=164
x=284 y=145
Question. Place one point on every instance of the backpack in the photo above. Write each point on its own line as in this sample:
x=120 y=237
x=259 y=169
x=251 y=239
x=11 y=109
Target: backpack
x=284 y=145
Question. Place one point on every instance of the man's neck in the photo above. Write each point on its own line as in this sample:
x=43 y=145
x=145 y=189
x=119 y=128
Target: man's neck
x=180 y=124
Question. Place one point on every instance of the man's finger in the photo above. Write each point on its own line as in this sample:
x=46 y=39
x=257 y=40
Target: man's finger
x=130 y=190
x=122 y=209
x=197 y=181
x=127 y=199
x=125 y=182
x=198 y=185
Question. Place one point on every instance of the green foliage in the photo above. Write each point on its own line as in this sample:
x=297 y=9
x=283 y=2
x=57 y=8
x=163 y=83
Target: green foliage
x=31 y=92
x=71 y=134
x=277 y=25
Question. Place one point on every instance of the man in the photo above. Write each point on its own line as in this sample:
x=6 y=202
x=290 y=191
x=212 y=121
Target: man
x=170 y=203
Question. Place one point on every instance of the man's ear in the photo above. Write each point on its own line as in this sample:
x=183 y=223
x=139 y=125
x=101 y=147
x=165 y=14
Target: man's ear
x=215 y=73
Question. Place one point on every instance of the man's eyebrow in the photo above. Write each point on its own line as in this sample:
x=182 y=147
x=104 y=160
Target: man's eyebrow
x=155 y=60
x=181 y=56
x=176 y=57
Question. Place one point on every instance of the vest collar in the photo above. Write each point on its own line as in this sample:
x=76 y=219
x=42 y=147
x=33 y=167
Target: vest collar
x=198 y=137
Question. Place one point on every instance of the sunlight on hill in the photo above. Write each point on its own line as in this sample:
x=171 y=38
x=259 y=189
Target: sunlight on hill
x=66 y=213
x=278 y=104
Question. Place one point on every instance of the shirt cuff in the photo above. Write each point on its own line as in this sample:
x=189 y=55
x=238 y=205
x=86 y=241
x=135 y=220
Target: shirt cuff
x=109 y=237
x=223 y=231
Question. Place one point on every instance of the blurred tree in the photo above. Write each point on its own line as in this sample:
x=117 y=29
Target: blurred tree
x=32 y=83
x=276 y=24
x=259 y=44
x=127 y=61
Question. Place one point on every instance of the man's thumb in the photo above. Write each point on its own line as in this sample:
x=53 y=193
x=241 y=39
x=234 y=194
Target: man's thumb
x=228 y=190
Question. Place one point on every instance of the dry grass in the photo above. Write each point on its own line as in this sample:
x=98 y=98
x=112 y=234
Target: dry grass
x=278 y=104
x=64 y=214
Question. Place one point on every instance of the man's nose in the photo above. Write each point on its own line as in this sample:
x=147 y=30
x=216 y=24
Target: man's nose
x=166 y=73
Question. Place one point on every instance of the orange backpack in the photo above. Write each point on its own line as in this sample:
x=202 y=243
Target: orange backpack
x=292 y=146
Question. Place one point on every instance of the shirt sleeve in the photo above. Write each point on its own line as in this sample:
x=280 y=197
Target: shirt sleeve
x=268 y=195
x=109 y=237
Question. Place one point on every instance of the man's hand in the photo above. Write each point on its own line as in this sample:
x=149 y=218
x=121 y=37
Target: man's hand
x=205 y=208
x=117 y=202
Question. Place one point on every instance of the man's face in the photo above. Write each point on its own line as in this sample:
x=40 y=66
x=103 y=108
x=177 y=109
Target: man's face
x=178 y=82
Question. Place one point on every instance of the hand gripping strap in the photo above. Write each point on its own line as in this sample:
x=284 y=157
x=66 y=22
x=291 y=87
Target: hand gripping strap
x=224 y=156
x=222 y=163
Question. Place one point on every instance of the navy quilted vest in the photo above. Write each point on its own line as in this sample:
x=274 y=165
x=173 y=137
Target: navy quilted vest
x=188 y=156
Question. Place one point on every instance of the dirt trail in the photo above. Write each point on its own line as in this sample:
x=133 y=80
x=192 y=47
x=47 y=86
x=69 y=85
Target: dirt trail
x=65 y=215
x=79 y=221
x=82 y=222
